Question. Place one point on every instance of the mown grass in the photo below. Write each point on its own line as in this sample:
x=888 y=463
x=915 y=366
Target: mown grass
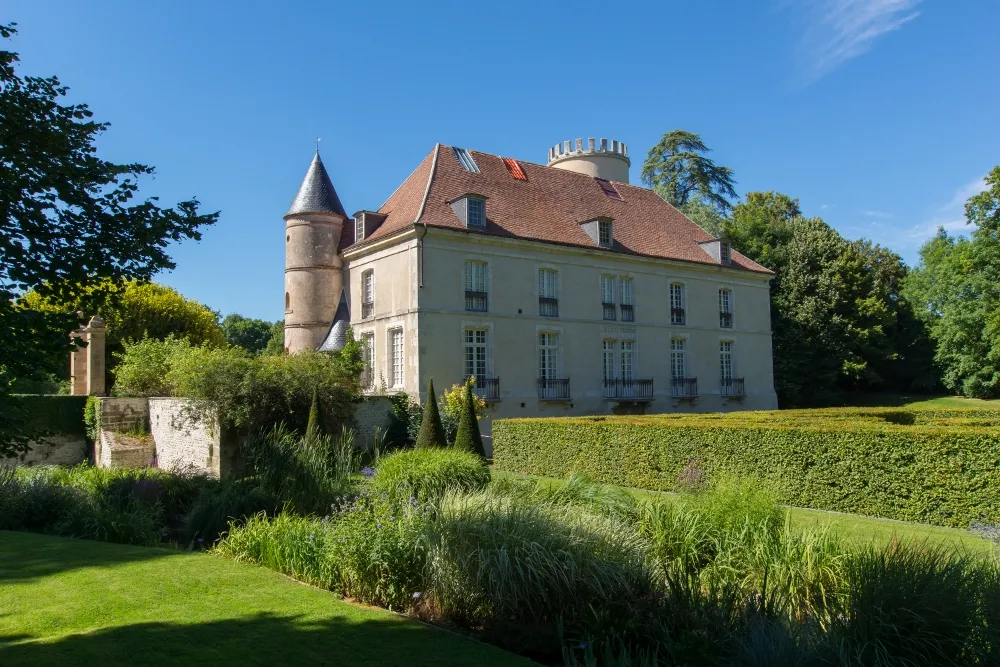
x=852 y=529
x=921 y=402
x=75 y=602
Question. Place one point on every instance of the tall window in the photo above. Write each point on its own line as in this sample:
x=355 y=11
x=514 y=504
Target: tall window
x=608 y=367
x=476 y=298
x=725 y=252
x=548 y=355
x=677 y=361
x=368 y=348
x=726 y=308
x=475 y=354
x=359 y=227
x=396 y=356
x=628 y=350
x=477 y=212
x=604 y=236
x=628 y=295
x=726 y=361
x=608 y=296
x=548 y=293
x=367 y=294
x=677 y=314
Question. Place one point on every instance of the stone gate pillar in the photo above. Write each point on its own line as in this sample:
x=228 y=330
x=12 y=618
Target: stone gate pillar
x=86 y=364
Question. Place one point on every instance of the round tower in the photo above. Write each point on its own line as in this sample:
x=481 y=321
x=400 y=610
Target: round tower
x=607 y=159
x=314 y=278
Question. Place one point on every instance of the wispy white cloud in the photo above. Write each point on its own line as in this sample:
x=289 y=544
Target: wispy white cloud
x=876 y=214
x=838 y=30
x=951 y=216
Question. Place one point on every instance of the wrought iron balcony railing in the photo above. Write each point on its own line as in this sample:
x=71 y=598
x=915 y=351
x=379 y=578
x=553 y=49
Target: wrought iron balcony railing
x=487 y=389
x=677 y=316
x=684 y=387
x=609 y=311
x=548 y=306
x=733 y=387
x=629 y=389
x=553 y=389
x=367 y=309
x=628 y=312
x=726 y=320
x=476 y=302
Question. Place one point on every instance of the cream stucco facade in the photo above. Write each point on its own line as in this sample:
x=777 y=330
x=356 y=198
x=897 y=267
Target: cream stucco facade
x=419 y=288
x=563 y=289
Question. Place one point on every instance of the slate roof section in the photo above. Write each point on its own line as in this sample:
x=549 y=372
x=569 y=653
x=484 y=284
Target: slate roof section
x=336 y=338
x=547 y=207
x=316 y=194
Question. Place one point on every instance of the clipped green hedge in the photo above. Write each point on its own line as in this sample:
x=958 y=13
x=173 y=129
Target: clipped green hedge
x=58 y=415
x=934 y=466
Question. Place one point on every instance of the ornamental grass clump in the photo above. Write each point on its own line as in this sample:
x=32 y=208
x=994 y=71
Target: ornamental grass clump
x=425 y=474
x=521 y=569
x=296 y=546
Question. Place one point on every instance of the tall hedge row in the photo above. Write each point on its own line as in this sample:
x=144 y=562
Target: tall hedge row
x=940 y=467
x=59 y=415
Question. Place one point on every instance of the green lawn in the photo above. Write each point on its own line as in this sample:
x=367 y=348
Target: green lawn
x=853 y=528
x=920 y=401
x=74 y=602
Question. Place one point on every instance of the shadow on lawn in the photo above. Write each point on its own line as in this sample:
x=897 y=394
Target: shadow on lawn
x=262 y=640
x=25 y=556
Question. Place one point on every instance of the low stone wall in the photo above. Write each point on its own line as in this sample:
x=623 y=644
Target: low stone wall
x=186 y=441
x=122 y=450
x=121 y=442
x=372 y=414
x=54 y=450
x=168 y=433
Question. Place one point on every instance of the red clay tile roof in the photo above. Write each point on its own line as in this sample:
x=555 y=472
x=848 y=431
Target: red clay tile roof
x=549 y=206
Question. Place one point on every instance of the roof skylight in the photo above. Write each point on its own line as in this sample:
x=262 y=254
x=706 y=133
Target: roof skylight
x=514 y=167
x=466 y=160
x=609 y=189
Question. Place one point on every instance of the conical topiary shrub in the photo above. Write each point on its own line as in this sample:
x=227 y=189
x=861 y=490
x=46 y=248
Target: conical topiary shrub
x=468 y=437
x=431 y=429
x=313 y=427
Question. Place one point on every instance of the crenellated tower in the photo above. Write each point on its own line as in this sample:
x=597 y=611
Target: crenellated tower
x=314 y=279
x=607 y=159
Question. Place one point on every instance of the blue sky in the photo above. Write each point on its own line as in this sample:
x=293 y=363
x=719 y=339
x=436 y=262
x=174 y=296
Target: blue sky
x=880 y=115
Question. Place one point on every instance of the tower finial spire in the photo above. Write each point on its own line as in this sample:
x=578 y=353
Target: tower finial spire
x=318 y=139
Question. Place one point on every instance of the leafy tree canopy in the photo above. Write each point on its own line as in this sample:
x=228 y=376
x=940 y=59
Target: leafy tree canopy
x=133 y=310
x=839 y=318
x=957 y=288
x=251 y=334
x=68 y=220
x=677 y=170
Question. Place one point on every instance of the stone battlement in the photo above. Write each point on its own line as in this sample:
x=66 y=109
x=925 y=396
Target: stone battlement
x=576 y=148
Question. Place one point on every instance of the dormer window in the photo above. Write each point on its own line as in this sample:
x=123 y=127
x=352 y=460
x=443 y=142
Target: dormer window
x=725 y=252
x=604 y=235
x=471 y=210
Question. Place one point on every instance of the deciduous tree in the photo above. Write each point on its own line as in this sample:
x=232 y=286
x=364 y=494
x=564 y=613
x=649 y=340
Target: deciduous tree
x=67 y=220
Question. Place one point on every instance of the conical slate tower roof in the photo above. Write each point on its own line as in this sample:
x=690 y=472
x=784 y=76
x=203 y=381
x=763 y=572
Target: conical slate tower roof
x=316 y=194
x=337 y=336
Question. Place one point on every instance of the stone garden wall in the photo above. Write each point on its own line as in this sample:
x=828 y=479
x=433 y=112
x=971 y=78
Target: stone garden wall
x=62 y=418
x=186 y=441
x=162 y=432
x=372 y=415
